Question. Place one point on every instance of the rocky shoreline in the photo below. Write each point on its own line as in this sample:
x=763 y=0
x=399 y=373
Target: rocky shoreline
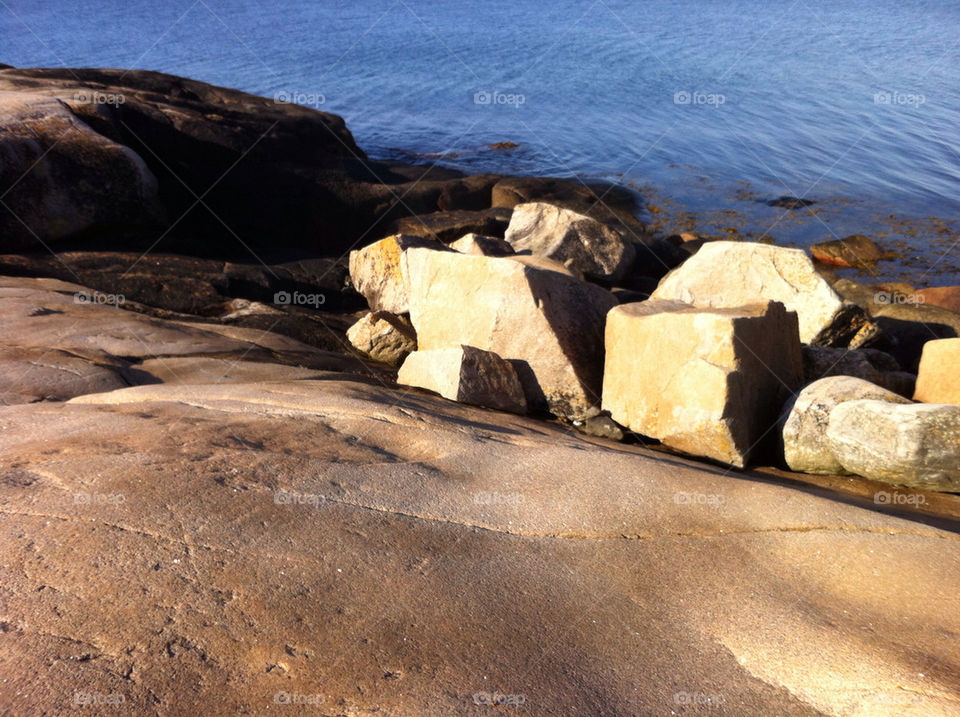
x=225 y=327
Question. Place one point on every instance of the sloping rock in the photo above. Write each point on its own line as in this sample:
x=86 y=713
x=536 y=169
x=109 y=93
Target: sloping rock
x=855 y=250
x=203 y=370
x=939 y=378
x=573 y=239
x=550 y=325
x=59 y=178
x=383 y=337
x=450 y=225
x=915 y=445
x=727 y=274
x=376 y=551
x=808 y=415
x=870 y=365
x=709 y=382
x=482 y=245
x=38 y=374
x=468 y=375
x=377 y=273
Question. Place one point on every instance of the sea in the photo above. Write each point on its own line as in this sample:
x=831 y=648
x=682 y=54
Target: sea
x=708 y=109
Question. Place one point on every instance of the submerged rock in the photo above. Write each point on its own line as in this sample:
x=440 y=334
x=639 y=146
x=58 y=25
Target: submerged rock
x=806 y=419
x=549 y=324
x=708 y=382
x=575 y=240
x=468 y=375
x=855 y=251
x=916 y=445
x=726 y=274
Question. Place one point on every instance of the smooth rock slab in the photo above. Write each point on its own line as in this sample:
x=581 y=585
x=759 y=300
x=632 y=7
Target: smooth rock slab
x=468 y=375
x=939 y=378
x=709 y=382
x=383 y=337
x=725 y=274
x=376 y=271
x=547 y=323
x=807 y=417
x=915 y=445
x=575 y=240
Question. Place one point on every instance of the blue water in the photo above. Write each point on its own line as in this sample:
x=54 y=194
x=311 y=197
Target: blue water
x=706 y=106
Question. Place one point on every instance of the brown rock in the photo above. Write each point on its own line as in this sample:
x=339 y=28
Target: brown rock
x=709 y=382
x=383 y=337
x=938 y=380
x=946 y=297
x=855 y=250
x=449 y=226
x=468 y=375
x=547 y=323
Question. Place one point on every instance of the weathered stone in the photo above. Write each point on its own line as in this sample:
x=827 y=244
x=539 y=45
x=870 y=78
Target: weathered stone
x=870 y=365
x=468 y=375
x=906 y=329
x=573 y=239
x=376 y=271
x=709 y=382
x=726 y=274
x=806 y=419
x=939 y=378
x=548 y=324
x=601 y=426
x=482 y=245
x=383 y=337
x=855 y=250
x=916 y=445
x=40 y=374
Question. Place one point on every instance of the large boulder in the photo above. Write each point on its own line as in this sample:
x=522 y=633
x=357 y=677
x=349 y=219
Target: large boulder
x=916 y=445
x=939 y=378
x=61 y=179
x=468 y=375
x=548 y=323
x=573 y=239
x=377 y=273
x=383 y=337
x=906 y=329
x=727 y=274
x=808 y=415
x=708 y=382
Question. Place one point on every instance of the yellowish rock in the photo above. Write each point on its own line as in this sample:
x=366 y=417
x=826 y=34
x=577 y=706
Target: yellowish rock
x=938 y=380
